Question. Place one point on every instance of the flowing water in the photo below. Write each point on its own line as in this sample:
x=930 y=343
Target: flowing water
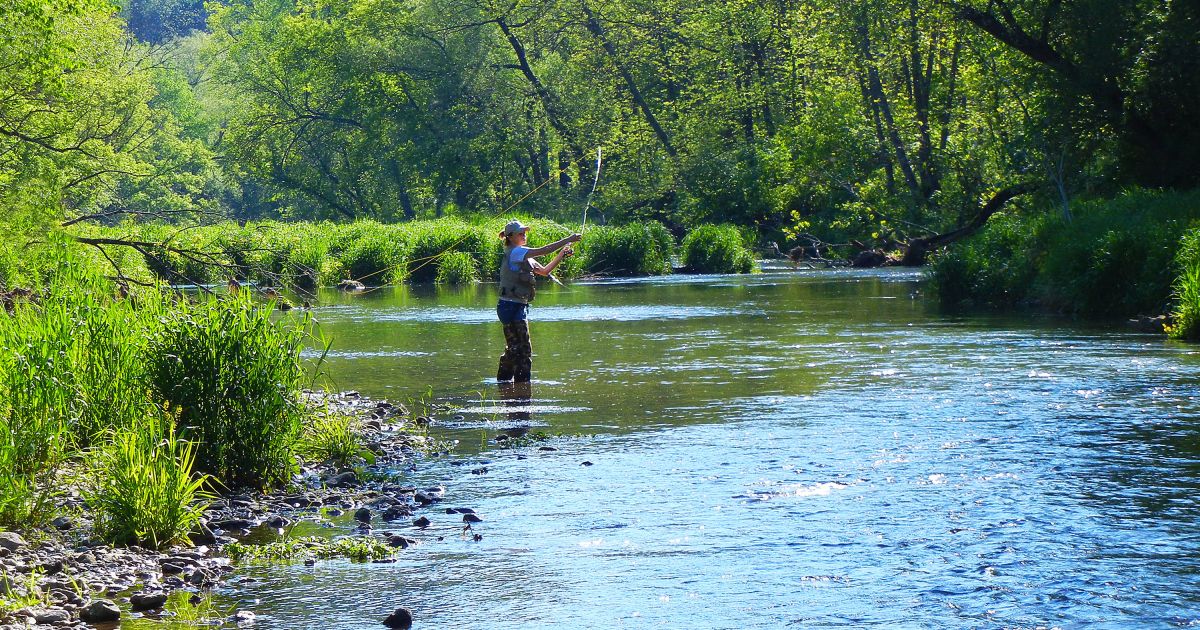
x=792 y=449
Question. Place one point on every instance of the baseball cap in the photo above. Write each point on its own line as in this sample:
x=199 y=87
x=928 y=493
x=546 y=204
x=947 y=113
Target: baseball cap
x=513 y=227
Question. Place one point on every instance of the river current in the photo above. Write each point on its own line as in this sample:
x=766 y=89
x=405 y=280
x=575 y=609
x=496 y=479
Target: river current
x=808 y=449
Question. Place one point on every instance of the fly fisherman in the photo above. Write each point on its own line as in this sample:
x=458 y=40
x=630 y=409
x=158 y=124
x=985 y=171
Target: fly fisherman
x=516 y=292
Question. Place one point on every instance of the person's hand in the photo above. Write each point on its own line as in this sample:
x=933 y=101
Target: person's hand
x=568 y=251
x=574 y=238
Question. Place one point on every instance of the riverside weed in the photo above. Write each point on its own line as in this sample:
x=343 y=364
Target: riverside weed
x=716 y=249
x=144 y=491
x=1186 y=314
x=235 y=375
x=332 y=438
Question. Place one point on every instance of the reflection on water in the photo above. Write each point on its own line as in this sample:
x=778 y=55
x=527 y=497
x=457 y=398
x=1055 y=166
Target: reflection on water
x=816 y=449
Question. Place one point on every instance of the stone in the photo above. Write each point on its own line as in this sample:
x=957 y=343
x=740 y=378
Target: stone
x=51 y=617
x=147 y=601
x=278 y=522
x=171 y=569
x=233 y=523
x=100 y=611
x=62 y=523
x=362 y=515
x=422 y=522
x=471 y=518
x=243 y=618
x=11 y=541
x=398 y=541
x=395 y=513
x=343 y=480
x=401 y=619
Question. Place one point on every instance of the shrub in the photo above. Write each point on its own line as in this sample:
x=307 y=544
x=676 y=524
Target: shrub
x=636 y=249
x=235 y=375
x=376 y=258
x=456 y=268
x=143 y=489
x=995 y=268
x=1185 y=318
x=717 y=249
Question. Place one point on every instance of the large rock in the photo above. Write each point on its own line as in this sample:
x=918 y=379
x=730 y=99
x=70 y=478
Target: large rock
x=401 y=619
x=147 y=601
x=52 y=616
x=11 y=541
x=100 y=611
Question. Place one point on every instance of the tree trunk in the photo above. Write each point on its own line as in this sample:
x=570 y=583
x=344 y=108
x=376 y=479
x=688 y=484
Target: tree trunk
x=917 y=250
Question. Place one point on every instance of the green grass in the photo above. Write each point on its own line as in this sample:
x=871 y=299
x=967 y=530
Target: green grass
x=143 y=490
x=637 y=249
x=717 y=249
x=1185 y=318
x=332 y=438
x=235 y=375
x=1116 y=258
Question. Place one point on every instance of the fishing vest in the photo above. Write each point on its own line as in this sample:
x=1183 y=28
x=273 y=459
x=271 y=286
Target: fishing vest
x=516 y=281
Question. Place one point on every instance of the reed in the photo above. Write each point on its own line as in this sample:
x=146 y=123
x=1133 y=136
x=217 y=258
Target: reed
x=717 y=249
x=143 y=487
x=235 y=376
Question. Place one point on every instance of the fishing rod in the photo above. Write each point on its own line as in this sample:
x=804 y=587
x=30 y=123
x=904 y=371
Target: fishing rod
x=429 y=259
x=588 y=204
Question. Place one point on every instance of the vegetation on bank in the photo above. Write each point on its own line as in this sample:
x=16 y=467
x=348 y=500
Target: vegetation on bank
x=1127 y=256
x=147 y=400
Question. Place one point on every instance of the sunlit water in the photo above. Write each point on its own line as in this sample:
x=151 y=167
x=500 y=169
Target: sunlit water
x=809 y=449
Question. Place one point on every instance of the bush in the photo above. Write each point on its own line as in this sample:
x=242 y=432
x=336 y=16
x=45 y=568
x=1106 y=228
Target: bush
x=995 y=268
x=456 y=268
x=1114 y=259
x=235 y=376
x=717 y=249
x=143 y=490
x=1185 y=318
x=636 y=249
x=376 y=258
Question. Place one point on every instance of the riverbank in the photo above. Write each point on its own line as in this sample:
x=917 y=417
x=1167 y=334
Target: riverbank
x=64 y=575
x=1132 y=256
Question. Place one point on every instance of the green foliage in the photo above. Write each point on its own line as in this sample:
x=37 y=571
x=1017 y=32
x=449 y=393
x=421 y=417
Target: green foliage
x=456 y=268
x=356 y=548
x=717 y=249
x=235 y=375
x=332 y=438
x=1185 y=318
x=637 y=249
x=1114 y=259
x=143 y=489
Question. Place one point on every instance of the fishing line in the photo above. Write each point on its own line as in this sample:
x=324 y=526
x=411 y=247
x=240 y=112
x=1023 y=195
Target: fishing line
x=428 y=259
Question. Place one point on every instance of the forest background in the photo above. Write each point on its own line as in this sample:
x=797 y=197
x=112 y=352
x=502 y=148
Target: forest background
x=902 y=125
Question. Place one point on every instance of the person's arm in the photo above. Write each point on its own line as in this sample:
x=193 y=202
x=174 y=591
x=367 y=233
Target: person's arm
x=547 y=269
x=552 y=247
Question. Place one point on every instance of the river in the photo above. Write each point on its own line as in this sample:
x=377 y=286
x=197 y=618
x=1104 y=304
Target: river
x=806 y=449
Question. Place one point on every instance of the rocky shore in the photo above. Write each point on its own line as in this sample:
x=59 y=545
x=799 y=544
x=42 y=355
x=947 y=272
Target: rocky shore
x=70 y=580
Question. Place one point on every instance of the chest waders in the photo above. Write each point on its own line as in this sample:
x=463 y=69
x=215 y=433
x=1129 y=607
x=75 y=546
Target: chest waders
x=516 y=285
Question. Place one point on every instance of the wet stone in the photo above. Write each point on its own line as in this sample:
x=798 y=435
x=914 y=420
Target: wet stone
x=100 y=611
x=52 y=616
x=422 y=522
x=396 y=512
x=362 y=515
x=401 y=619
x=147 y=601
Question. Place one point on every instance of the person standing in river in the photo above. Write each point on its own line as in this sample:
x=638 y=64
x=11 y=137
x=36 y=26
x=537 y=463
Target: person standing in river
x=517 y=276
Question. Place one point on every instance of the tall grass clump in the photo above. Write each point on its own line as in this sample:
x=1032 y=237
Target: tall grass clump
x=143 y=490
x=1115 y=258
x=69 y=366
x=996 y=268
x=235 y=377
x=456 y=268
x=635 y=249
x=717 y=249
x=1185 y=317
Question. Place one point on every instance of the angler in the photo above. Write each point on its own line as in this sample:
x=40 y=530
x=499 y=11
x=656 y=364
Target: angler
x=517 y=276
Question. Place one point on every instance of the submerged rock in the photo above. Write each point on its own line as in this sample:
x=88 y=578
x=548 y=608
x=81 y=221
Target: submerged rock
x=401 y=619
x=362 y=515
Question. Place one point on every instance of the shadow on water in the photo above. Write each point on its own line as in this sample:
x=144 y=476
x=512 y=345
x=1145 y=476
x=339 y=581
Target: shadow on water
x=814 y=449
